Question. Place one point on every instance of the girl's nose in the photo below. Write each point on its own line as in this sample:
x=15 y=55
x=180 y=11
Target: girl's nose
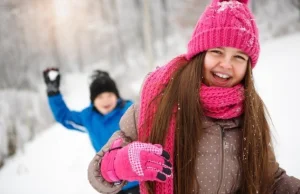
x=226 y=63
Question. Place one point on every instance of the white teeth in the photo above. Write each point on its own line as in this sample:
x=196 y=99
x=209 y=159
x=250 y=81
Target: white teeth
x=222 y=75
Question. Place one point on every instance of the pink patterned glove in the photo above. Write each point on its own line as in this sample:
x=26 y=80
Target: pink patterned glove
x=136 y=162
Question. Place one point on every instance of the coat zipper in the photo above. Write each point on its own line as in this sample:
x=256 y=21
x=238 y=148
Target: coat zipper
x=222 y=160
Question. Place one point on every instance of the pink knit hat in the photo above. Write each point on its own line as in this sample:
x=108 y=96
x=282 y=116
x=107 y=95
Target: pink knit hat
x=226 y=24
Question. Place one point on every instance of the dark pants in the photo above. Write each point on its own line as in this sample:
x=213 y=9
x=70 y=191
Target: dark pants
x=133 y=190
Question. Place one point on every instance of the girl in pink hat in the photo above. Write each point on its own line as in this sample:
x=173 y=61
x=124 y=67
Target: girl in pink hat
x=200 y=126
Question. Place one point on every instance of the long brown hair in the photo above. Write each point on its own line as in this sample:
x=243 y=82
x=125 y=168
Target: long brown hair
x=256 y=143
x=183 y=89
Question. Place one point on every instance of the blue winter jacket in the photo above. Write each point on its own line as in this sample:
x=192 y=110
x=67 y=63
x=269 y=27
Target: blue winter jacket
x=99 y=127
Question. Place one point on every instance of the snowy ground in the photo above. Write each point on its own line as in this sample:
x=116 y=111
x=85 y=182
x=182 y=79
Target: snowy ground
x=56 y=161
x=277 y=78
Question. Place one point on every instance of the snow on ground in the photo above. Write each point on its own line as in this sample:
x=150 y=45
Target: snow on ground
x=56 y=161
x=277 y=79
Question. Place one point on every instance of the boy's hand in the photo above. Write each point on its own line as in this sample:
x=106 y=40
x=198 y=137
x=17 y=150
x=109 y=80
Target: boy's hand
x=52 y=80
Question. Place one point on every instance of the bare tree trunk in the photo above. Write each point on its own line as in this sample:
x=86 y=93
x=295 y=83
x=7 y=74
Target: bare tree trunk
x=54 y=40
x=165 y=25
x=148 y=35
x=118 y=34
x=79 y=54
x=54 y=46
x=296 y=3
x=253 y=6
x=138 y=7
x=103 y=11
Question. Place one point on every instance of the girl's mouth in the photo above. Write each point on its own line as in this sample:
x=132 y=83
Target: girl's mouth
x=220 y=79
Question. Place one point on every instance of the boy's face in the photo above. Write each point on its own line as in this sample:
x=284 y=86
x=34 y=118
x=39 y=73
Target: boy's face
x=106 y=102
x=224 y=66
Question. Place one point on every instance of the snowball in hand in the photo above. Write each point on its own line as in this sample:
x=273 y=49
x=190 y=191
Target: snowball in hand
x=52 y=75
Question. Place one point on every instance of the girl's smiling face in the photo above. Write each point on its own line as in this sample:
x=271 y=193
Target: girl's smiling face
x=224 y=67
x=106 y=102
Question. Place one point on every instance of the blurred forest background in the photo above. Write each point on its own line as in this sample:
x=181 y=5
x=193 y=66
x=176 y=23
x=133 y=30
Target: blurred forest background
x=125 y=37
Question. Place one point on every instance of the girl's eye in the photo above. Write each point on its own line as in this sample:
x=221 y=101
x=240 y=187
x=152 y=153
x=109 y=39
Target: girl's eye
x=216 y=51
x=240 y=57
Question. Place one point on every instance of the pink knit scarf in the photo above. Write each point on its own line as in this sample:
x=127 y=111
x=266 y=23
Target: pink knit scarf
x=223 y=103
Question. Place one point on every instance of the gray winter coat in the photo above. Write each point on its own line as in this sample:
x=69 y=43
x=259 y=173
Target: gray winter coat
x=218 y=161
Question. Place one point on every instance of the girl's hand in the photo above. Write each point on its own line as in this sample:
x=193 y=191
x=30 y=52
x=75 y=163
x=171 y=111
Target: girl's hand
x=136 y=162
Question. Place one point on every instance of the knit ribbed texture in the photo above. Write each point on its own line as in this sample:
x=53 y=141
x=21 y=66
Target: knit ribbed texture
x=222 y=103
x=226 y=24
